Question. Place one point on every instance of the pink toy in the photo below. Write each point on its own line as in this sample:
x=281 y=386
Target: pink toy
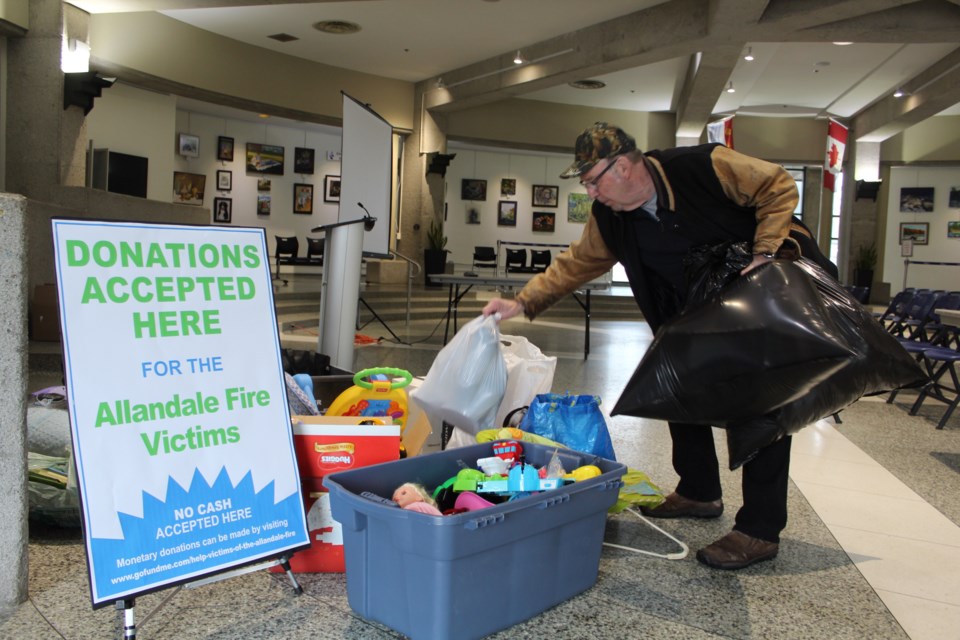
x=469 y=501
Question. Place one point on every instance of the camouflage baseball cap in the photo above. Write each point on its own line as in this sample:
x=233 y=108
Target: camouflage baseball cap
x=600 y=141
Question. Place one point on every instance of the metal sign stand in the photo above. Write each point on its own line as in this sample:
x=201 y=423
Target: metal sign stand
x=128 y=605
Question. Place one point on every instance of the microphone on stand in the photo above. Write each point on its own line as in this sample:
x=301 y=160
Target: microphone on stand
x=368 y=220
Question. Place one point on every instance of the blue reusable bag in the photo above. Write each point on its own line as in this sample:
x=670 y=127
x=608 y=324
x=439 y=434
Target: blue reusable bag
x=572 y=420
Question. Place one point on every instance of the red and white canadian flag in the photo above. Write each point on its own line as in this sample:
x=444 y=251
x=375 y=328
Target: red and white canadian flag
x=721 y=131
x=836 y=145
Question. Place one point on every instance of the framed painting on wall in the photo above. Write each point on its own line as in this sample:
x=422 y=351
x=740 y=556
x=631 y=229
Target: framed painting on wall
x=916 y=232
x=507 y=213
x=472 y=189
x=545 y=195
x=953 y=229
x=331 y=188
x=954 y=201
x=916 y=199
x=225 y=148
x=578 y=207
x=224 y=180
x=188 y=188
x=223 y=210
x=303 y=198
x=508 y=186
x=263 y=204
x=265 y=158
x=189 y=145
x=544 y=221
x=303 y=160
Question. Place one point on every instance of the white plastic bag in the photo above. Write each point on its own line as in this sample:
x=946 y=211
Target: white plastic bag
x=466 y=381
x=529 y=373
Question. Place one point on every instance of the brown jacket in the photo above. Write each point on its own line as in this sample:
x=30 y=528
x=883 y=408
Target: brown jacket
x=751 y=187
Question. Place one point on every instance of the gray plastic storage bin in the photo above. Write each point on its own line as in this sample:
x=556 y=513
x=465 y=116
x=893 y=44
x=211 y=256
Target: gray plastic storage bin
x=470 y=574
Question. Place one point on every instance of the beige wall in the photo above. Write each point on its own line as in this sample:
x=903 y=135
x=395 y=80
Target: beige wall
x=936 y=139
x=164 y=48
x=15 y=12
x=545 y=125
x=534 y=124
x=799 y=140
x=117 y=123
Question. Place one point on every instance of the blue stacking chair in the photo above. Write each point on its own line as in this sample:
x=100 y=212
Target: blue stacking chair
x=917 y=314
x=944 y=386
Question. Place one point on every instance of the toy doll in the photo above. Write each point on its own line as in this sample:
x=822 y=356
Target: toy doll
x=416 y=498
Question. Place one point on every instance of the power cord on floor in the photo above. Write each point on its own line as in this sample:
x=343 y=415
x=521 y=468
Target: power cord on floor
x=45 y=618
x=410 y=344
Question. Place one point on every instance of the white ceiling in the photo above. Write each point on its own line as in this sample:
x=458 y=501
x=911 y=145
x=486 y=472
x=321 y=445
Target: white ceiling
x=415 y=40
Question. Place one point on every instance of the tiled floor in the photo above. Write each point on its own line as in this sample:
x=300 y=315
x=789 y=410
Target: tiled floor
x=872 y=549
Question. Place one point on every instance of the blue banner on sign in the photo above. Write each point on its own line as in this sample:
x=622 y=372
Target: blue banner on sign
x=193 y=532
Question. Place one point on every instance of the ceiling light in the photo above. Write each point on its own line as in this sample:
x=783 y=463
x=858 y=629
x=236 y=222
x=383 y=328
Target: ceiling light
x=730 y=88
x=842 y=44
x=439 y=83
x=518 y=59
x=337 y=27
x=898 y=93
x=749 y=56
x=587 y=84
x=283 y=37
x=74 y=55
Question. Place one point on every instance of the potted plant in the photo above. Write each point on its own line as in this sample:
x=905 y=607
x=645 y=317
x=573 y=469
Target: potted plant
x=864 y=264
x=435 y=255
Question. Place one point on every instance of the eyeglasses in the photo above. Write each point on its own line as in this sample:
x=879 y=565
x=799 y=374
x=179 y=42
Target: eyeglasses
x=595 y=182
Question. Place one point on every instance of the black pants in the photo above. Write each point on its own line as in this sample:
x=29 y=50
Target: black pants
x=764 y=511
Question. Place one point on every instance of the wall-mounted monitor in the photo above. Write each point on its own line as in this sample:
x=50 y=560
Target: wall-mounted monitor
x=120 y=173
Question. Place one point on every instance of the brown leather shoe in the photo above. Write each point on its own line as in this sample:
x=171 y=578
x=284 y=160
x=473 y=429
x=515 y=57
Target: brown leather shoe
x=737 y=550
x=676 y=506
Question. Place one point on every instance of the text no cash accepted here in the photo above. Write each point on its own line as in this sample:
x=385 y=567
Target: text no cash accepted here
x=178 y=407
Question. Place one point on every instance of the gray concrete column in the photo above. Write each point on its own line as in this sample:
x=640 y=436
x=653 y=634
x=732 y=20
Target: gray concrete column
x=812 y=212
x=13 y=391
x=862 y=214
x=423 y=193
x=45 y=142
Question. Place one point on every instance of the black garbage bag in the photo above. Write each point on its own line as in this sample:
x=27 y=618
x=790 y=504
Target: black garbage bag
x=708 y=269
x=774 y=350
x=881 y=364
x=738 y=355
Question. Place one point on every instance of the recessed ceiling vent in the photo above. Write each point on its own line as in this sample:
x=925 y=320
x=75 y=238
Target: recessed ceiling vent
x=283 y=37
x=587 y=84
x=337 y=27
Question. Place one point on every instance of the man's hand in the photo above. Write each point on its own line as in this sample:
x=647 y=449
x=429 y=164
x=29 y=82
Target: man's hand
x=756 y=262
x=506 y=307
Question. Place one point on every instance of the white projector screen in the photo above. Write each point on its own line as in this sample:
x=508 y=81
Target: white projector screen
x=365 y=173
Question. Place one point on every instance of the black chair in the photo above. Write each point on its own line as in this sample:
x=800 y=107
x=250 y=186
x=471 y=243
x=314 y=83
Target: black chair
x=516 y=260
x=485 y=257
x=286 y=253
x=860 y=294
x=315 y=251
x=539 y=260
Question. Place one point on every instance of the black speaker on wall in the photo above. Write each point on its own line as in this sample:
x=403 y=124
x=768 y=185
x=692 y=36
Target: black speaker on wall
x=438 y=162
x=867 y=189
